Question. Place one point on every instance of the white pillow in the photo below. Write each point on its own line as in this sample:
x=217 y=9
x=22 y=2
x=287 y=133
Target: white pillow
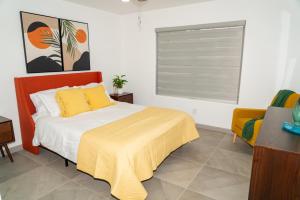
x=45 y=102
x=49 y=100
x=37 y=116
x=38 y=104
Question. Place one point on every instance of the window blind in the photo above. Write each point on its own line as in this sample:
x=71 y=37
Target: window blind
x=200 y=61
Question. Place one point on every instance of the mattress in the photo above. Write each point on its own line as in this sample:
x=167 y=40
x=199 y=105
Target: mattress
x=62 y=135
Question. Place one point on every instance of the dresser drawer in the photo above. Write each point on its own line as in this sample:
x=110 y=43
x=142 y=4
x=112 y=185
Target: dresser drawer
x=6 y=133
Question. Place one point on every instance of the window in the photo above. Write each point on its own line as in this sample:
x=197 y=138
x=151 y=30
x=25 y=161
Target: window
x=201 y=61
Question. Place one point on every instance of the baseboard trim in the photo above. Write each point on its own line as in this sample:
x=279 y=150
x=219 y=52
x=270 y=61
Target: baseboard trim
x=213 y=128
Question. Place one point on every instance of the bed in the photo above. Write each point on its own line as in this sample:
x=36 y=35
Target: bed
x=122 y=144
x=48 y=129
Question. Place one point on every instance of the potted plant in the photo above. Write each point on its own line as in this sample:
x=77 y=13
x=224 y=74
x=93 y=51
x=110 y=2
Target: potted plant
x=118 y=83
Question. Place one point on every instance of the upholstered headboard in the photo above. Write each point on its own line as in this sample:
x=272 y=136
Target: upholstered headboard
x=28 y=85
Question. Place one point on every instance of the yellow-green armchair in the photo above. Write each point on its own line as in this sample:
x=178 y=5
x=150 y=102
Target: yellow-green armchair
x=243 y=115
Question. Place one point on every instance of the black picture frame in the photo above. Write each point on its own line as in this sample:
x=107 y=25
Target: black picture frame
x=88 y=43
x=46 y=69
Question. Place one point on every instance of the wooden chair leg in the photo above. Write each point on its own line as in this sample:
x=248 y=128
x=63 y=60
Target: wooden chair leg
x=2 y=152
x=8 y=153
x=234 y=138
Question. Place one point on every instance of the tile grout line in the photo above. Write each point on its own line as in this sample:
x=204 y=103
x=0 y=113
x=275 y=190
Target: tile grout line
x=20 y=175
x=40 y=163
x=53 y=189
x=209 y=157
x=231 y=172
x=56 y=172
x=68 y=181
x=91 y=189
x=59 y=185
x=40 y=166
x=48 y=164
x=59 y=173
x=185 y=188
x=202 y=166
x=197 y=162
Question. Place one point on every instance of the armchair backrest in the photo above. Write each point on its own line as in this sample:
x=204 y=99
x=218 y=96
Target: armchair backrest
x=291 y=101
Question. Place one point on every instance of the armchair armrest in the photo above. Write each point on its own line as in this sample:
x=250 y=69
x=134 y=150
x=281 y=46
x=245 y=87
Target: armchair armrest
x=246 y=113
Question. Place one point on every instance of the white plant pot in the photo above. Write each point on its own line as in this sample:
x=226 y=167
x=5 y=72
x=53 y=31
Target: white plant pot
x=115 y=90
x=118 y=90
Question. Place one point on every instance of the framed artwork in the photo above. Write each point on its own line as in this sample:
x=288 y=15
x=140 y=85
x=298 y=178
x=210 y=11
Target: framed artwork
x=54 y=45
x=75 y=45
x=42 y=44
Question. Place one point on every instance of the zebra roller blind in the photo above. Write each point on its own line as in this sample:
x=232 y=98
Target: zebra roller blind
x=201 y=61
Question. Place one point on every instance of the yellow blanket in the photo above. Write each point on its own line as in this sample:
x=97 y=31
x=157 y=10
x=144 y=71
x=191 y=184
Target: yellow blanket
x=126 y=152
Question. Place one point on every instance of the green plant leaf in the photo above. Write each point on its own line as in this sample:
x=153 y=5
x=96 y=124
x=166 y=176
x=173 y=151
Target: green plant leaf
x=69 y=32
x=118 y=81
x=54 y=41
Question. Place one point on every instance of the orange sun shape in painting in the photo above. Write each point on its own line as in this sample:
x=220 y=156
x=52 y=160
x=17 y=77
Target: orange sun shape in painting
x=37 y=32
x=80 y=36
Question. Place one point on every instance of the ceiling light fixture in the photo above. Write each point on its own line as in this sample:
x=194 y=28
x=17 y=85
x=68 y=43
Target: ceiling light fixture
x=125 y=1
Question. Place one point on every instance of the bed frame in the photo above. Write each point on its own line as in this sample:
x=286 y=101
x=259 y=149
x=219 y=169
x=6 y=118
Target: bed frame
x=28 y=85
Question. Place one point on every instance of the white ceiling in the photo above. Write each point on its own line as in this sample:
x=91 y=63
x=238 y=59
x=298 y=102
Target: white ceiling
x=119 y=7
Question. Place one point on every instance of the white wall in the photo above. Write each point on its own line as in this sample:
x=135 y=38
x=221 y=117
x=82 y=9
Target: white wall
x=291 y=63
x=261 y=62
x=104 y=45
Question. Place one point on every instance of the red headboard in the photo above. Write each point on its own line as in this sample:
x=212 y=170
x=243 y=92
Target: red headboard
x=28 y=85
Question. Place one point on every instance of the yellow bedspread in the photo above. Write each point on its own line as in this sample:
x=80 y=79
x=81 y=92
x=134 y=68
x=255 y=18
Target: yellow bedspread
x=126 y=152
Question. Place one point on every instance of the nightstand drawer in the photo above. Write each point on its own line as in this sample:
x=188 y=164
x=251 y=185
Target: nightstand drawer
x=124 y=97
x=127 y=98
x=6 y=133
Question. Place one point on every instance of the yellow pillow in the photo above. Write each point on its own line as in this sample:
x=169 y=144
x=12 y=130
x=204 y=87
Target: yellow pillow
x=97 y=97
x=72 y=102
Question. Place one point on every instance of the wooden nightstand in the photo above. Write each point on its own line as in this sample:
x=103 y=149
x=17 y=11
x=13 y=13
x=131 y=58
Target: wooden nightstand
x=6 y=136
x=124 y=97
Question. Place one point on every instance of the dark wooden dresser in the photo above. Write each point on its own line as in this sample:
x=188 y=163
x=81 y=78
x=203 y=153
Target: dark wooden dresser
x=276 y=160
x=6 y=136
x=124 y=97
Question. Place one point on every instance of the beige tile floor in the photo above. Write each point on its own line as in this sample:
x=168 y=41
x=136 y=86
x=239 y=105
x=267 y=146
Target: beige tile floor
x=210 y=168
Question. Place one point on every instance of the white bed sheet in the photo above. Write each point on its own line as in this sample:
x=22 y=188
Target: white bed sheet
x=62 y=135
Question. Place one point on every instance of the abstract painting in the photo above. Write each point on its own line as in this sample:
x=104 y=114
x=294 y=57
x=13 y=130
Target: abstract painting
x=42 y=44
x=75 y=45
x=54 y=45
